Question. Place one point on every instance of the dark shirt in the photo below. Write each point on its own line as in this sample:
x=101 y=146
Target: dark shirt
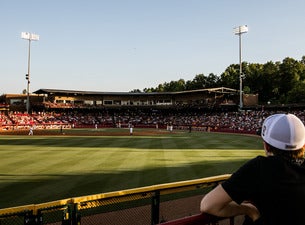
x=275 y=186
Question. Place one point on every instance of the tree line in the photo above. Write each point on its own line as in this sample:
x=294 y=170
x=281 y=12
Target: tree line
x=275 y=82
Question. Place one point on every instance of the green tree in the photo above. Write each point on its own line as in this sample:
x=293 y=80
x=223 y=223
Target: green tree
x=279 y=82
x=175 y=86
x=212 y=81
x=198 y=82
x=230 y=77
x=135 y=91
x=270 y=82
x=297 y=94
x=252 y=78
x=289 y=77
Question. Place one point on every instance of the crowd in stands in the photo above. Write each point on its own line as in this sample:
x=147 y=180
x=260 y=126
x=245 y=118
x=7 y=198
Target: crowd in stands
x=238 y=121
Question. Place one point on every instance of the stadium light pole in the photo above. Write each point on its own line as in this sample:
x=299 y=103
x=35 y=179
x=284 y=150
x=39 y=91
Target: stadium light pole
x=239 y=31
x=30 y=37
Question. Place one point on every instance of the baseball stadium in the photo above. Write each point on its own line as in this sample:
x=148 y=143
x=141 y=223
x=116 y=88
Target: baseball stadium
x=214 y=136
x=114 y=158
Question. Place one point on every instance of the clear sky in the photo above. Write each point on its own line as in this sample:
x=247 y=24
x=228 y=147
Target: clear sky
x=121 y=45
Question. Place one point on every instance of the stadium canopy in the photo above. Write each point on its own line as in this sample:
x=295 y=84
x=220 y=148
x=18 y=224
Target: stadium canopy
x=222 y=90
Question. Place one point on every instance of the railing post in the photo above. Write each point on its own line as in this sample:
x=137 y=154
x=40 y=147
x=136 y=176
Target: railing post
x=75 y=215
x=155 y=206
x=71 y=215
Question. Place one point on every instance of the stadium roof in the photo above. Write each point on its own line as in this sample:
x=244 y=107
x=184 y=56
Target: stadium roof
x=75 y=92
x=60 y=91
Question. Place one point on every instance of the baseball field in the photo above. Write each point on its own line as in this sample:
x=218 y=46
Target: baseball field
x=53 y=165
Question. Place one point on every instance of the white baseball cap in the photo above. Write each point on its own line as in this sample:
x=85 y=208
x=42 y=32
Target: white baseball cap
x=284 y=131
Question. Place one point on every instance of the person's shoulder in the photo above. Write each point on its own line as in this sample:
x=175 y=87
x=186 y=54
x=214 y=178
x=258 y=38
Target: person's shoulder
x=266 y=159
x=261 y=161
x=267 y=163
x=258 y=159
x=261 y=158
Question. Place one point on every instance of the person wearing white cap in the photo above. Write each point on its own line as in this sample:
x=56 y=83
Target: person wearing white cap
x=267 y=190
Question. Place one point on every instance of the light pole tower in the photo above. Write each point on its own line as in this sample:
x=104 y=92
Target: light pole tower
x=239 y=31
x=30 y=37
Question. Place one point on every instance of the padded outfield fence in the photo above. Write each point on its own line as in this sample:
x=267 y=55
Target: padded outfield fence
x=156 y=204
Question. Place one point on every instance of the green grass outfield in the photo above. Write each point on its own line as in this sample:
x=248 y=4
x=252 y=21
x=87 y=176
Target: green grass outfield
x=36 y=169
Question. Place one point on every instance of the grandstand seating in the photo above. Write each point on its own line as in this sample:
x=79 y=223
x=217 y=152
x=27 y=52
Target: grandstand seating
x=241 y=122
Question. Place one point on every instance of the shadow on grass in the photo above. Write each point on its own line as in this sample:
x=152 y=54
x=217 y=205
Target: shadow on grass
x=186 y=141
x=34 y=189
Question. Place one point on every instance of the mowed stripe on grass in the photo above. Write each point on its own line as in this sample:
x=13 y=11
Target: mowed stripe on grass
x=37 y=169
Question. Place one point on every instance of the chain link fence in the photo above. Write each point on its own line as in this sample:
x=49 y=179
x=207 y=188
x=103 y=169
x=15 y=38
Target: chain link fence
x=140 y=206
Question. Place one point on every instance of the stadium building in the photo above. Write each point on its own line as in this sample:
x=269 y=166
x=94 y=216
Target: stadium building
x=56 y=99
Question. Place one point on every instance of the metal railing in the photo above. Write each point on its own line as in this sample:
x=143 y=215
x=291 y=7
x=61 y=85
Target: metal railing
x=154 y=204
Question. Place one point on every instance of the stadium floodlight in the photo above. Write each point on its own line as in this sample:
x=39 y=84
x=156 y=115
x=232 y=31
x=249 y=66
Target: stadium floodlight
x=239 y=31
x=30 y=37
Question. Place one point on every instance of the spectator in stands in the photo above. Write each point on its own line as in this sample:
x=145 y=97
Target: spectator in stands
x=268 y=190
